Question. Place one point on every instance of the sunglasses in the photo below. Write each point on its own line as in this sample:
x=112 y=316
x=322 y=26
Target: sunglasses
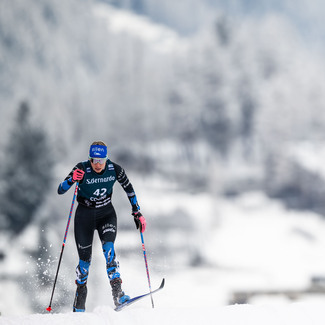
x=98 y=160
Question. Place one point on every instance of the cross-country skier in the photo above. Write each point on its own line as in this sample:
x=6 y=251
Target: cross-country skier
x=96 y=177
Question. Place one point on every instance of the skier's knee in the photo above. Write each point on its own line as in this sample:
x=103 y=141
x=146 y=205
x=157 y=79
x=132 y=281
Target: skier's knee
x=109 y=252
x=82 y=272
x=112 y=264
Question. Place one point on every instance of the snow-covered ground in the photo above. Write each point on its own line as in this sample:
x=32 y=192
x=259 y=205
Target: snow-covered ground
x=244 y=243
x=297 y=314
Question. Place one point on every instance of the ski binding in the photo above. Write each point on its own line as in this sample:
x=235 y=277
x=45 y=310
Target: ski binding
x=137 y=298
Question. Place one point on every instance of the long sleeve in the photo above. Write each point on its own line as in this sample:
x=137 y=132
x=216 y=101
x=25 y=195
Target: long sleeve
x=127 y=186
x=67 y=183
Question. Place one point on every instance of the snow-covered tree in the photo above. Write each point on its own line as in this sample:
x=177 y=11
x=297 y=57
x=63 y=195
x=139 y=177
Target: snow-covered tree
x=26 y=172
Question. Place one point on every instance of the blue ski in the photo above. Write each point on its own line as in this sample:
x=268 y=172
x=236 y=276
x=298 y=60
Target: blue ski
x=135 y=299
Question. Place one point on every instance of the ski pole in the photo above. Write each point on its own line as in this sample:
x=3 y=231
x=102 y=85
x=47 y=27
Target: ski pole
x=145 y=260
x=49 y=308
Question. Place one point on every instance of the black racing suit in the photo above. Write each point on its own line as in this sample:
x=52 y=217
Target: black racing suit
x=96 y=212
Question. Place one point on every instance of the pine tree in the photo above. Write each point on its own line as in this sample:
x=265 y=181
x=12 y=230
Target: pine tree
x=25 y=169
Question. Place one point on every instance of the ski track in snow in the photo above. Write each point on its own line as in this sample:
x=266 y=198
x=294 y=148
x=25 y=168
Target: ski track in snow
x=286 y=314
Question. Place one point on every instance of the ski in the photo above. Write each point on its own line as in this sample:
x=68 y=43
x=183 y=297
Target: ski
x=135 y=299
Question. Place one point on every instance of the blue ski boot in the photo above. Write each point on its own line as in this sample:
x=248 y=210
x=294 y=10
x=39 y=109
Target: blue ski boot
x=119 y=296
x=81 y=282
x=80 y=299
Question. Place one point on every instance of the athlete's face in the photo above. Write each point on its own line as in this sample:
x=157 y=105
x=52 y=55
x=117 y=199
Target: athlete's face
x=97 y=166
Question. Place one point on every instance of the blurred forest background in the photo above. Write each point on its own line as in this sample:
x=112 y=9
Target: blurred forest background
x=200 y=96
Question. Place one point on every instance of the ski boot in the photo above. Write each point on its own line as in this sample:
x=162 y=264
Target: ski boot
x=119 y=296
x=80 y=299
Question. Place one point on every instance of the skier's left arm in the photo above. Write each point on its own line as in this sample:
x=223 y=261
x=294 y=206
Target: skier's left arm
x=122 y=178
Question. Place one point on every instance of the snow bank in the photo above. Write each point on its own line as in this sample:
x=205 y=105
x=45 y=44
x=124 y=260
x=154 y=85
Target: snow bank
x=297 y=313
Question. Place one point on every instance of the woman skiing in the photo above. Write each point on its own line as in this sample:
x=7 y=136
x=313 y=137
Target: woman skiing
x=96 y=177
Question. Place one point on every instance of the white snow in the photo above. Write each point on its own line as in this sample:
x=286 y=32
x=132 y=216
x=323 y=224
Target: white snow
x=295 y=314
x=248 y=243
x=161 y=37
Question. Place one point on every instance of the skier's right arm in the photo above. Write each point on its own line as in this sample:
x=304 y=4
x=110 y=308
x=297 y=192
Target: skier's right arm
x=76 y=174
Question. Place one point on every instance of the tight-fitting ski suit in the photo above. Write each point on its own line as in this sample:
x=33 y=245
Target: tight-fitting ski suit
x=96 y=212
